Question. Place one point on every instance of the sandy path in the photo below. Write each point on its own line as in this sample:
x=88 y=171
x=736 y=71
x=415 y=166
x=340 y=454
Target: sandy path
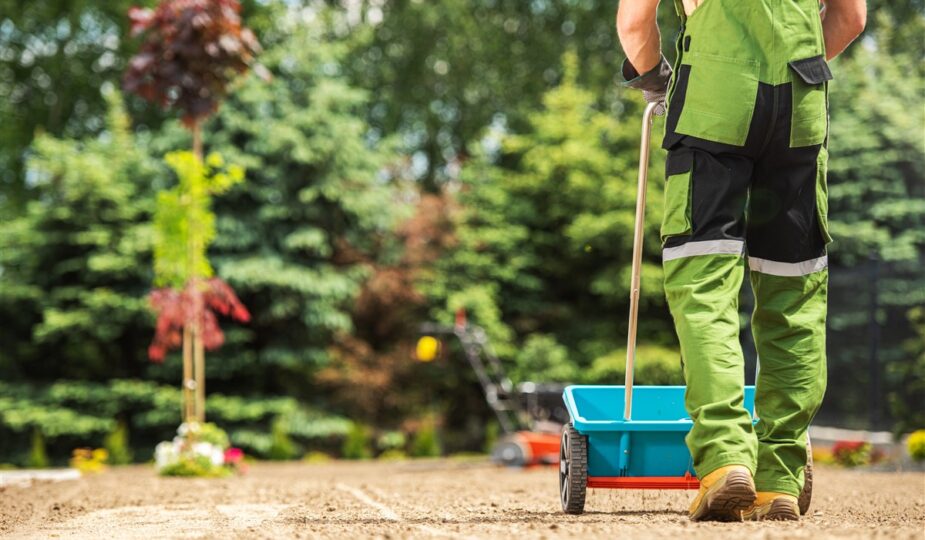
x=424 y=499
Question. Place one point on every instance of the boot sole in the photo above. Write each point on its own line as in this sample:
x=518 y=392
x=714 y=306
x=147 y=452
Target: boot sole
x=727 y=499
x=782 y=511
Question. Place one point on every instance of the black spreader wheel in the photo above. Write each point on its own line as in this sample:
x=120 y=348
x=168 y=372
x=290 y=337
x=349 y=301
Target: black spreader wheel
x=806 y=496
x=573 y=470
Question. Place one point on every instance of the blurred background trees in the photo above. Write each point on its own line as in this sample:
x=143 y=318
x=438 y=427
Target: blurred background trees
x=406 y=159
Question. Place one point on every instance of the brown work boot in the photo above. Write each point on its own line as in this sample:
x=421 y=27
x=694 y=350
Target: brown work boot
x=773 y=506
x=723 y=494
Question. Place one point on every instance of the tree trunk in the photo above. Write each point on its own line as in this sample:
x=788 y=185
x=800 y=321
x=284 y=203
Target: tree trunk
x=198 y=350
x=199 y=363
x=189 y=382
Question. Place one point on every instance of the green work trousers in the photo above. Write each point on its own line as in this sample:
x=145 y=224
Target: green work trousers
x=760 y=204
x=746 y=134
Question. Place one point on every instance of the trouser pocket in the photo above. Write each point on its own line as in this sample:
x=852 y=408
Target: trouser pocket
x=720 y=98
x=809 y=120
x=822 y=194
x=677 y=217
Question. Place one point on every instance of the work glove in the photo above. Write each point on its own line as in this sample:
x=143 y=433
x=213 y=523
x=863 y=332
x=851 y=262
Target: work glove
x=653 y=83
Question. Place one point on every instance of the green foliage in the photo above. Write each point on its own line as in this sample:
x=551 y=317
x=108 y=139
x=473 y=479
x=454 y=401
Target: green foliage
x=542 y=358
x=20 y=415
x=908 y=391
x=316 y=457
x=915 y=445
x=654 y=365
x=492 y=431
x=391 y=440
x=116 y=444
x=195 y=466
x=38 y=458
x=544 y=238
x=877 y=158
x=57 y=55
x=75 y=413
x=208 y=432
x=357 y=443
x=393 y=454
x=184 y=225
x=877 y=209
x=74 y=263
x=282 y=447
x=426 y=440
x=852 y=453
x=444 y=71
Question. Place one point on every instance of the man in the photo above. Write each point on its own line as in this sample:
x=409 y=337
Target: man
x=746 y=134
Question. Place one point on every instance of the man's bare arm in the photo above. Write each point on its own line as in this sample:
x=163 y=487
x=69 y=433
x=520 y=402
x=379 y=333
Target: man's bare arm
x=842 y=22
x=637 y=28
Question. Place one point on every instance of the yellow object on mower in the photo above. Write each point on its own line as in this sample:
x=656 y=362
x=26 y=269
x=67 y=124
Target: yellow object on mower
x=427 y=349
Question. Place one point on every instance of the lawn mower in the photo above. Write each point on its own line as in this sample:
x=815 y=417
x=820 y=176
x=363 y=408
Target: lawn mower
x=531 y=415
x=625 y=438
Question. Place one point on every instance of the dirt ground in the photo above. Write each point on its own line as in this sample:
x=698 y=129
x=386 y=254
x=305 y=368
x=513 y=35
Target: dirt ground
x=424 y=499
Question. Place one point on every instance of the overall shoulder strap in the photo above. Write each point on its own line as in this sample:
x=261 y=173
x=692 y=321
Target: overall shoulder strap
x=679 y=8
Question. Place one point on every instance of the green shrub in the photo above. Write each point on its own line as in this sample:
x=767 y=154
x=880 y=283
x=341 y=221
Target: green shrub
x=426 y=442
x=198 y=466
x=852 y=453
x=38 y=458
x=391 y=440
x=116 y=444
x=69 y=412
x=916 y=445
x=316 y=457
x=542 y=358
x=393 y=455
x=208 y=432
x=356 y=445
x=492 y=432
x=655 y=365
x=281 y=448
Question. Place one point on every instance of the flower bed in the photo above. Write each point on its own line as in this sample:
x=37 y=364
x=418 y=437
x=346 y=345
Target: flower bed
x=200 y=450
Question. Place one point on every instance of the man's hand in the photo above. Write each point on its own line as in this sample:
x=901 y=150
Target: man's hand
x=842 y=21
x=653 y=83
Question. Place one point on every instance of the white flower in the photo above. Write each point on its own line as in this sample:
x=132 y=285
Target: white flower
x=165 y=453
x=218 y=457
x=211 y=451
x=203 y=449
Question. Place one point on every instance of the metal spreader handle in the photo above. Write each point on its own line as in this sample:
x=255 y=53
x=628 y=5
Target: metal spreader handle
x=639 y=228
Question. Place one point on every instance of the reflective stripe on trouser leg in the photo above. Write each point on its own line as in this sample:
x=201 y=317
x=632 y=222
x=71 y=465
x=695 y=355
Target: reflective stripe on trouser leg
x=789 y=330
x=703 y=294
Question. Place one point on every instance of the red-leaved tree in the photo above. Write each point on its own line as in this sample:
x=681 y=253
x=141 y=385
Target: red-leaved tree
x=191 y=52
x=175 y=311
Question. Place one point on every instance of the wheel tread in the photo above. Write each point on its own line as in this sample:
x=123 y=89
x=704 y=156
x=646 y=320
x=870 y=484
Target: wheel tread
x=577 y=471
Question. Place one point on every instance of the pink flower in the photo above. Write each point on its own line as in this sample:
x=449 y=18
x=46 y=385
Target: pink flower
x=233 y=456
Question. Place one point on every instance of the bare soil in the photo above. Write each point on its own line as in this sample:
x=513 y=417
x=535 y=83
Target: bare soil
x=425 y=499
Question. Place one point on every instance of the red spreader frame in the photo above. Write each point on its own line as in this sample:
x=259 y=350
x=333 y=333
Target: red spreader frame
x=687 y=481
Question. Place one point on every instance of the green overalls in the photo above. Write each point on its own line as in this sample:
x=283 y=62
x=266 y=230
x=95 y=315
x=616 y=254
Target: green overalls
x=746 y=134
